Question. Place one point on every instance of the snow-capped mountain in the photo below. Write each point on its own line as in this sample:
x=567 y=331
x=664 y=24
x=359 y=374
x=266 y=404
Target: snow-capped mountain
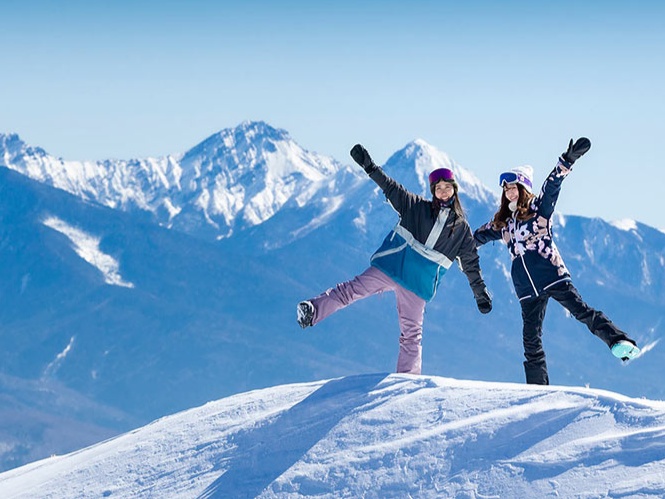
x=375 y=435
x=236 y=178
x=418 y=159
x=143 y=184
x=129 y=297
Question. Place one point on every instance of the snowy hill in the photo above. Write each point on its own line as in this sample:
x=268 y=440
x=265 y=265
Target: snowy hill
x=375 y=435
x=144 y=311
x=39 y=416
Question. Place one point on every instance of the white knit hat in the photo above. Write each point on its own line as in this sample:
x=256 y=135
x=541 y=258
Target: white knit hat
x=522 y=175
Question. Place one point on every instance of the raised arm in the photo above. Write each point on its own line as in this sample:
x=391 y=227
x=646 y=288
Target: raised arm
x=549 y=193
x=399 y=197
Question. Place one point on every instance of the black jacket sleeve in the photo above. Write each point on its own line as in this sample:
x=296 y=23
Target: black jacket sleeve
x=485 y=234
x=549 y=193
x=396 y=194
x=470 y=262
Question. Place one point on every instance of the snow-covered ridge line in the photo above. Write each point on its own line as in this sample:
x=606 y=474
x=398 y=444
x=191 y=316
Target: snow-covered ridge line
x=377 y=434
x=237 y=178
x=240 y=176
x=112 y=183
x=626 y=224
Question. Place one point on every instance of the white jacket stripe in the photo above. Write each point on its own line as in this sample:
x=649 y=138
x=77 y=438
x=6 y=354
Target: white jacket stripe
x=420 y=248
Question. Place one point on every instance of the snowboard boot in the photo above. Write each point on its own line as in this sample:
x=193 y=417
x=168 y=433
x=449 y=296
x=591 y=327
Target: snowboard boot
x=536 y=374
x=305 y=314
x=625 y=350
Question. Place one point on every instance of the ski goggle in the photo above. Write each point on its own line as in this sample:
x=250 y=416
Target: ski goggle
x=513 y=178
x=441 y=174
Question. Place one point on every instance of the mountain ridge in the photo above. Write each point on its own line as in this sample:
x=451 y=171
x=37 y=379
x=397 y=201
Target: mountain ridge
x=236 y=177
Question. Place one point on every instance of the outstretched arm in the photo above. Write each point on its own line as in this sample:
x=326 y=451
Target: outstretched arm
x=400 y=198
x=470 y=265
x=485 y=234
x=549 y=193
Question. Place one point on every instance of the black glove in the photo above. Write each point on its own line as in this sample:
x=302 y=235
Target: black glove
x=362 y=157
x=576 y=150
x=484 y=301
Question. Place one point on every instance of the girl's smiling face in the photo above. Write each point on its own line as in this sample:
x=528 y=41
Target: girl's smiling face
x=444 y=190
x=511 y=192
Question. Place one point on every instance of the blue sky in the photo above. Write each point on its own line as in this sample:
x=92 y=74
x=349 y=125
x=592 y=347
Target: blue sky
x=493 y=84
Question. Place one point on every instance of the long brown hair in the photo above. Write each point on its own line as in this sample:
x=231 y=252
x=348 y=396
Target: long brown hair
x=523 y=208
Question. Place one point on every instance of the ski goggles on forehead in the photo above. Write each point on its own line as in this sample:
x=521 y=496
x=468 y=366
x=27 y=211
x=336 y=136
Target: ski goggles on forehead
x=441 y=174
x=514 y=178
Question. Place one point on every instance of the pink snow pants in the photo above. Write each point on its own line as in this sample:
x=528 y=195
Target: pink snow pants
x=410 y=309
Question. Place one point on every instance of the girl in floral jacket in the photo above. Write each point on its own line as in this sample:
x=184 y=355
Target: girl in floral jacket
x=524 y=223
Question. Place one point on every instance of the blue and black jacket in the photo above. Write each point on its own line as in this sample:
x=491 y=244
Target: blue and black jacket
x=536 y=262
x=421 y=247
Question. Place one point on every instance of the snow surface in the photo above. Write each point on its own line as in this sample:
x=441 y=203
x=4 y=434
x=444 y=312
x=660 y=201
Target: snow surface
x=625 y=224
x=87 y=247
x=375 y=435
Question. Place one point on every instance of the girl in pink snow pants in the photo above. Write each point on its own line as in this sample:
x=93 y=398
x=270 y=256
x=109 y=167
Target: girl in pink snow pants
x=430 y=235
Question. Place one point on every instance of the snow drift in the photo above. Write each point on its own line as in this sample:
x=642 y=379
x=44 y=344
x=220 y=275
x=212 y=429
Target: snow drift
x=375 y=435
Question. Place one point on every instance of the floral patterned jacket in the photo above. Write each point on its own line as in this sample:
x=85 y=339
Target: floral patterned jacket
x=536 y=262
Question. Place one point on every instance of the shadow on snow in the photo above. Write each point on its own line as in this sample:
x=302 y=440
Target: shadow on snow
x=265 y=453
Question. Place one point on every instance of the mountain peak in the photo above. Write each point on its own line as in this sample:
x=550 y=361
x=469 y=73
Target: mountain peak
x=10 y=138
x=251 y=129
x=249 y=172
x=13 y=147
x=422 y=158
x=249 y=135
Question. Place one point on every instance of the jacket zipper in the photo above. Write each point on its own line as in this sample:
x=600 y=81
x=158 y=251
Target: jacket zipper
x=533 y=286
x=528 y=275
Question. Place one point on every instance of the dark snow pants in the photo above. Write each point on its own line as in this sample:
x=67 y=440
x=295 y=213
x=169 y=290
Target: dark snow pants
x=533 y=314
